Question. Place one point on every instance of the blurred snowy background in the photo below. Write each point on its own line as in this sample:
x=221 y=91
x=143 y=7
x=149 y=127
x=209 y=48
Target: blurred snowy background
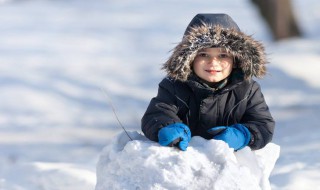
x=56 y=55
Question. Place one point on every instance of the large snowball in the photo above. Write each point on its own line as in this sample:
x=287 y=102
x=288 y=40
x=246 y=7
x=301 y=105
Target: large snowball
x=207 y=164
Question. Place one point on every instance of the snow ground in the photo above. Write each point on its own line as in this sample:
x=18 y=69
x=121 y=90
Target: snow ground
x=57 y=55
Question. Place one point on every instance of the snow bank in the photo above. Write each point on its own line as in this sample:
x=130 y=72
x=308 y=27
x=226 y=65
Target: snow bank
x=207 y=164
x=47 y=176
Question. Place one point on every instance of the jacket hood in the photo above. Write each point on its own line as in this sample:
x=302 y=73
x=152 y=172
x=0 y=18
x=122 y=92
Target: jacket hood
x=216 y=30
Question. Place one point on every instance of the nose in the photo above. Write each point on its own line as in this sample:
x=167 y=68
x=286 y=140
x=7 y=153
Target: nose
x=215 y=61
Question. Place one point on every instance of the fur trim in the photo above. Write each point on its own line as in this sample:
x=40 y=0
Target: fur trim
x=249 y=53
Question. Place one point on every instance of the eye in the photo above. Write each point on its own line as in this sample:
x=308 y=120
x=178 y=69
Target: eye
x=202 y=54
x=224 y=55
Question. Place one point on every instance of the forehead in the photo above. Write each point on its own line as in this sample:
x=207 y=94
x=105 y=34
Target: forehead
x=214 y=49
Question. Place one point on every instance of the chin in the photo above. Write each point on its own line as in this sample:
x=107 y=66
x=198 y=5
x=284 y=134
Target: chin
x=213 y=80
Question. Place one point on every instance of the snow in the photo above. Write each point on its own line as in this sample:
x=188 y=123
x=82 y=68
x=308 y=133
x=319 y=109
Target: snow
x=143 y=164
x=55 y=122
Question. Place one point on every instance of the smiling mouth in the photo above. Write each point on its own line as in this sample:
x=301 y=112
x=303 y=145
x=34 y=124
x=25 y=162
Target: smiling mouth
x=212 y=71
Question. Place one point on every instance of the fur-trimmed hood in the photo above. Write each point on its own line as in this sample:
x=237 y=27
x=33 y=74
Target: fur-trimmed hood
x=249 y=54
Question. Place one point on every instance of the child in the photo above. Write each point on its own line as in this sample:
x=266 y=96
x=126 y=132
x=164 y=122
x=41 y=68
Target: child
x=209 y=90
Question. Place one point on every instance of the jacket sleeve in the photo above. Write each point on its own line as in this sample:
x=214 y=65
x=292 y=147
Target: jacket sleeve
x=258 y=118
x=161 y=111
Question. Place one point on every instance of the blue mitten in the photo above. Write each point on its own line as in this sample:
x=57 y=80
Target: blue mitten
x=175 y=134
x=236 y=136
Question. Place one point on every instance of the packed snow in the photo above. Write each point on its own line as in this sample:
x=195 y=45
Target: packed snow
x=57 y=130
x=142 y=164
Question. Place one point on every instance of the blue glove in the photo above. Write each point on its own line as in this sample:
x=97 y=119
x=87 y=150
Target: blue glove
x=236 y=136
x=177 y=134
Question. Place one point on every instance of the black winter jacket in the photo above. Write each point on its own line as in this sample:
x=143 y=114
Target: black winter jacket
x=201 y=108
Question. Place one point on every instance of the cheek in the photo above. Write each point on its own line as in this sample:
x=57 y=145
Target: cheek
x=229 y=70
x=195 y=69
x=194 y=65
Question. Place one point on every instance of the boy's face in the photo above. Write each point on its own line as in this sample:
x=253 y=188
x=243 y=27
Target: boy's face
x=213 y=64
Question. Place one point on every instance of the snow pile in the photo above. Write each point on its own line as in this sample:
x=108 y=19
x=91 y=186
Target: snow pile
x=207 y=164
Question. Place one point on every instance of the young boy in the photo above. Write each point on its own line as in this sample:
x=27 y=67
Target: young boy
x=209 y=90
